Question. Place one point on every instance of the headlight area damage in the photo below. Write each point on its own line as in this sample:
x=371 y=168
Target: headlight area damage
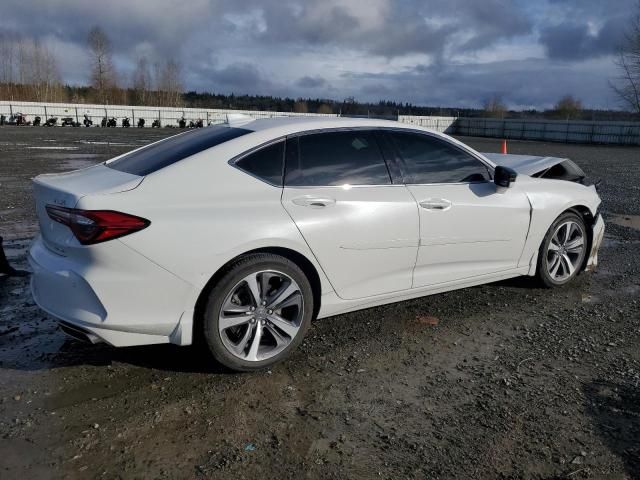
x=541 y=167
x=555 y=168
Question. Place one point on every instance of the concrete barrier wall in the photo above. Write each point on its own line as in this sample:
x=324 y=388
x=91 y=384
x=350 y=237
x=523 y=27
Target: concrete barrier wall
x=620 y=133
x=166 y=115
x=440 y=124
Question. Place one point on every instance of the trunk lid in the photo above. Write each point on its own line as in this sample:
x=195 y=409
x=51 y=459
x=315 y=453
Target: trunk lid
x=65 y=189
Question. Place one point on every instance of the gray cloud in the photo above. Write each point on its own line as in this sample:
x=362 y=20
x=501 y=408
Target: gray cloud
x=439 y=52
x=571 y=41
x=311 y=82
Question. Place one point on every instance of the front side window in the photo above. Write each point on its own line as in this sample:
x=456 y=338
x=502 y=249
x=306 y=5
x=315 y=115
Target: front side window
x=430 y=160
x=266 y=163
x=335 y=158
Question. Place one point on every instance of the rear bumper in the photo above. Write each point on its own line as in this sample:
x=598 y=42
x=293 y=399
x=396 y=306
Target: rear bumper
x=598 y=235
x=111 y=294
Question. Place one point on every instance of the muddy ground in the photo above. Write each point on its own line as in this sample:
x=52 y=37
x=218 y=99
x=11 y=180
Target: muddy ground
x=501 y=381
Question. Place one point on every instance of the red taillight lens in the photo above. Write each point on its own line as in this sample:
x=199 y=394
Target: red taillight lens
x=95 y=226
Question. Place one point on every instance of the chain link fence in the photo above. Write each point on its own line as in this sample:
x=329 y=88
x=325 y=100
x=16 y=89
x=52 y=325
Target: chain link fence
x=618 y=133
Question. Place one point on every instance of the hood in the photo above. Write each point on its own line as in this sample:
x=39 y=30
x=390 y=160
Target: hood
x=525 y=164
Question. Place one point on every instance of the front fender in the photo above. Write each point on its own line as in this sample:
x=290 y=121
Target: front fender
x=549 y=199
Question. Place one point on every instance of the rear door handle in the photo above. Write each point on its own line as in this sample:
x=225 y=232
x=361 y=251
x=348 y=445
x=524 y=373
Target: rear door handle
x=314 y=202
x=440 y=204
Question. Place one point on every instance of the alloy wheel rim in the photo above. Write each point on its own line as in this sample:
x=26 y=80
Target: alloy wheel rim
x=565 y=251
x=261 y=315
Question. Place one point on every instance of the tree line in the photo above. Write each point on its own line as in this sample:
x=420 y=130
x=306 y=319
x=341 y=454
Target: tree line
x=29 y=71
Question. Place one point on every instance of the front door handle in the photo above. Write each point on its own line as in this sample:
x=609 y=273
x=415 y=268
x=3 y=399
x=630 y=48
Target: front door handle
x=440 y=204
x=314 y=202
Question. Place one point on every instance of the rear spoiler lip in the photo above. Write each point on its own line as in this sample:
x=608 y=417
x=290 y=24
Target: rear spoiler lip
x=98 y=186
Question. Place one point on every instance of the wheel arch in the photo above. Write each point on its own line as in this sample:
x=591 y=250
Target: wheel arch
x=296 y=257
x=589 y=220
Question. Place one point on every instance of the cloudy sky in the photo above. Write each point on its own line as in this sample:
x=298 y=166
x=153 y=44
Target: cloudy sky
x=428 y=52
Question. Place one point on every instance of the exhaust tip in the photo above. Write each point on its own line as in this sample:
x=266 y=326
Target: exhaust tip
x=79 y=333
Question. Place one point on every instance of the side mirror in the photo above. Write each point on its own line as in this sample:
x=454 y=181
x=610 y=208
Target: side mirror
x=504 y=176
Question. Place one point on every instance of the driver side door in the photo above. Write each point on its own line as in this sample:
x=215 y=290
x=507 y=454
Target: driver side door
x=467 y=227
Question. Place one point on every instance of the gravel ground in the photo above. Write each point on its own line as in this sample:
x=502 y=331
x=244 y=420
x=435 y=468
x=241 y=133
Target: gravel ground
x=501 y=381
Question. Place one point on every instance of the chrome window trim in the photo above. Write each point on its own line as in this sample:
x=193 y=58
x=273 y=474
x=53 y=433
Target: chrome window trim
x=273 y=141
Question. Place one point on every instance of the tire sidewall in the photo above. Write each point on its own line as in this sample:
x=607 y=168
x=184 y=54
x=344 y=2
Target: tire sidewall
x=543 y=271
x=238 y=271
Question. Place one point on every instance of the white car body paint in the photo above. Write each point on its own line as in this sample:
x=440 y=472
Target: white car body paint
x=370 y=245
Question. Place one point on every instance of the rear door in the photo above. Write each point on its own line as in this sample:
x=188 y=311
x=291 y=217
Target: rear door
x=467 y=227
x=362 y=228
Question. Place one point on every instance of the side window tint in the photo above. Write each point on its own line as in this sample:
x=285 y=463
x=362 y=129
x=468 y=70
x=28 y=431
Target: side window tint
x=265 y=163
x=337 y=158
x=430 y=160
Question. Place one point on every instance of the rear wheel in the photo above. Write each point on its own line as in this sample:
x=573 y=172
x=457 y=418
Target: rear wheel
x=258 y=312
x=562 y=252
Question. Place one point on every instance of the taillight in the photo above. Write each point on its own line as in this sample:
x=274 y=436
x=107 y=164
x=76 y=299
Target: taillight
x=95 y=226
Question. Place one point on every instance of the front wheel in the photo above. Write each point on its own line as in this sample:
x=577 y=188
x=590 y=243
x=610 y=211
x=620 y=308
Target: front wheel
x=562 y=252
x=258 y=312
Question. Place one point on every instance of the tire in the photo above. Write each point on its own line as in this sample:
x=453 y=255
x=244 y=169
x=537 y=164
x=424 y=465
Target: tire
x=569 y=252
x=233 y=317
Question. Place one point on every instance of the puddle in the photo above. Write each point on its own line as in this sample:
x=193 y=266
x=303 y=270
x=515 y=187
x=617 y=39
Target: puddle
x=629 y=221
x=52 y=148
x=71 y=156
x=111 y=144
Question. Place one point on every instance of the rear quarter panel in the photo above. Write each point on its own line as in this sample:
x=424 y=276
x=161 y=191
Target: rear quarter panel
x=203 y=213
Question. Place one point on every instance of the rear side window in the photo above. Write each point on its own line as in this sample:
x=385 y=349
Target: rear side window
x=430 y=160
x=266 y=163
x=173 y=149
x=335 y=158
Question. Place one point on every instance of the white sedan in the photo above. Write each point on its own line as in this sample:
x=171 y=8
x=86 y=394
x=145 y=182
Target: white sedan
x=239 y=235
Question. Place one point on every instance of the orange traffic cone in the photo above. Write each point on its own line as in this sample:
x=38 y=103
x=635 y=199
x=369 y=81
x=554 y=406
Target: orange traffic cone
x=504 y=147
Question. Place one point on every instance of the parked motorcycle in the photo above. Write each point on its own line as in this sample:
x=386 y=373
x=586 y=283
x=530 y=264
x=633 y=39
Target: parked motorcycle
x=182 y=122
x=141 y=123
x=18 y=119
x=155 y=124
x=51 y=122
x=125 y=122
x=3 y=119
x=87 y=121
x=200 y=123
x=36 y=121
x=69 y=122
x=112 y=122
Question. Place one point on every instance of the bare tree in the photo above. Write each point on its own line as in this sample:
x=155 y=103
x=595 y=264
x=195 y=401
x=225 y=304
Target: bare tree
x=568 y=107
x=627 y=85
x=169 y=84
x=43 y=73
x=7 y=59
x=142 y=82
x=495 y=107
x=29 y=70
x=103 y=76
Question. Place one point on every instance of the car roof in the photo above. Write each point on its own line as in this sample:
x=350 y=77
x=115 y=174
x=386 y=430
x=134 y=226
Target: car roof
x=270 y=128
x=295 y=124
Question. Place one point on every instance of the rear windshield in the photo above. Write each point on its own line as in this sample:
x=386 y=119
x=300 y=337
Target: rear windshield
x=173 y=149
